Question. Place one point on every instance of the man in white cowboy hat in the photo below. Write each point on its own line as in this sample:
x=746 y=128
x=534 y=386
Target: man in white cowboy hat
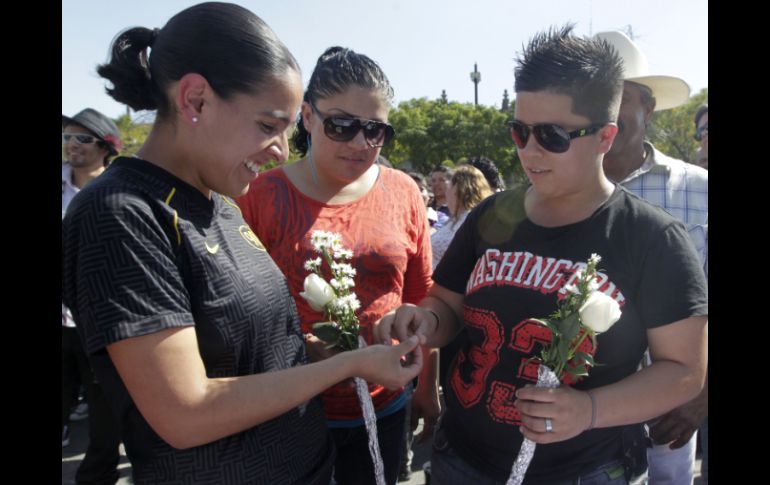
x=682 y=190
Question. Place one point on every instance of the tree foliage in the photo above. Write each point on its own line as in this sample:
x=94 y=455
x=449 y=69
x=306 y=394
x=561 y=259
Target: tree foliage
x=133 y=133
x=432 y=132
x=672 y=130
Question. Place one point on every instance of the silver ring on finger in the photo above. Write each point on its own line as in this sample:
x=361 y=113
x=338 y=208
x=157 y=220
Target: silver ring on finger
x=548 y=425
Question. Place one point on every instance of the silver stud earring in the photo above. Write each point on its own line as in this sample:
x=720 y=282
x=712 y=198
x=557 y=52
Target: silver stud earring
x=194 y=119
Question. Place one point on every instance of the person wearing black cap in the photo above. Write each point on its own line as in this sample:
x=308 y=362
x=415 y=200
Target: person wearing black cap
x=89 y=140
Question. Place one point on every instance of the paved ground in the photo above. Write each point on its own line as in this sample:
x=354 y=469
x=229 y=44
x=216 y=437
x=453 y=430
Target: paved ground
x=73 y=454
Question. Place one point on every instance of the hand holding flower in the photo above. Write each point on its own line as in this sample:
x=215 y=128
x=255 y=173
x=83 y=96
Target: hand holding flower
x=569 y=410
x=551 y=412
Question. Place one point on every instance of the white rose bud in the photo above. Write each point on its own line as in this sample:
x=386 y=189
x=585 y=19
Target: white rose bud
x=599 y=312
x=317 y=292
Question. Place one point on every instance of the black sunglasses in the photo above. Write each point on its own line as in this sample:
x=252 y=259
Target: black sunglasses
x=551 y=137
x=340 y=128
x=701 y=131
x=80 y=138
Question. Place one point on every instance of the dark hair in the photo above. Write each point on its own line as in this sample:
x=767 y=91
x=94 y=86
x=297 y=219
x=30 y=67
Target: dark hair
x=702 y=110
x=490 y=171
x=336 y=70
x=418 y=178
x=447 y=171
x=226 y=44
x=587 y=70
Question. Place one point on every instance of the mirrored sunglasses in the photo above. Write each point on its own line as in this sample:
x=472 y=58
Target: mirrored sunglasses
x=550 y=136
x=80 y=138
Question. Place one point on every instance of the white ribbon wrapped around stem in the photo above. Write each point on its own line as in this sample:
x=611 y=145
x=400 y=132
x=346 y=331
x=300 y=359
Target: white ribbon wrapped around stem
x=370 y=419
x=545 y=378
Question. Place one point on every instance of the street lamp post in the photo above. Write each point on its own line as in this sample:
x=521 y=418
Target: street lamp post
x=476 y=78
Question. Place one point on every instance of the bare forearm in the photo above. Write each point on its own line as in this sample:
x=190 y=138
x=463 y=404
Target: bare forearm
x=448 y=324
x=647 y=394
x=225 y=406
x=429 y=374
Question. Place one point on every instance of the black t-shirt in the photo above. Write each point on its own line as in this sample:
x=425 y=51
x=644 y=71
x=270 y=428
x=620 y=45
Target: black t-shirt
x=142 y=252
x=511 y=270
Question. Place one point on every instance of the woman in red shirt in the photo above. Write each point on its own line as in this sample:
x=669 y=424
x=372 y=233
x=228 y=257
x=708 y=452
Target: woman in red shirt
x=338 y=187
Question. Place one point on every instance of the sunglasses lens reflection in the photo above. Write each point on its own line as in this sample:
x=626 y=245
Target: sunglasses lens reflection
x=78 y=137
x=552 y=137
x=377 y=134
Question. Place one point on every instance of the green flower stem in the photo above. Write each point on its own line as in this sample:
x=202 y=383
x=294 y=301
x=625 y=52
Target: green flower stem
x=571 y=353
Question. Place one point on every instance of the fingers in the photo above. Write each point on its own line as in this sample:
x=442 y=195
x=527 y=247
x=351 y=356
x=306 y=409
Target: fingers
x=539 y=394
x=382 y=329
x=683 y=439
x=664 y=431
x=410 y=346
x=537 y=437
x=402 y=324
x=316 y=348
x=552 y=415
x=406 y=320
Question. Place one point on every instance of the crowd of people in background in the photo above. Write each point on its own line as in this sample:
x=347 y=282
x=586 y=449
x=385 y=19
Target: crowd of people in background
x=184 y=335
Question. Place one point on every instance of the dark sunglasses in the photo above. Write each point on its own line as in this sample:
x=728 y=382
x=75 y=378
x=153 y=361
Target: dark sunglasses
x=551 y=137
x=340 y=128
x=702 y=130
x=80 y=138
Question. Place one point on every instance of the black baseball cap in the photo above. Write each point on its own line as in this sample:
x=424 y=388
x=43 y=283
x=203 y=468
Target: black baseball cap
x=98 y=124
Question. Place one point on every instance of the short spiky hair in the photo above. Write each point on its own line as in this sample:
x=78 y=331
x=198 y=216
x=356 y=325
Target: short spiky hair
x=587 y=70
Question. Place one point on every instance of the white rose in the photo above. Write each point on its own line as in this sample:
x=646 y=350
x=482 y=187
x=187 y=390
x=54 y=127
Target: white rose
x=599 y=312
x=317 y=292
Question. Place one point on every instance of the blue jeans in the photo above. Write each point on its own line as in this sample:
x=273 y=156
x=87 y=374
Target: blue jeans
x=447 y=468
x=671 y=467
x=354 y=465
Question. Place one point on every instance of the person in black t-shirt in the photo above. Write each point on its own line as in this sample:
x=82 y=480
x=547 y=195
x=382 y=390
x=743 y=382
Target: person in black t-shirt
x=513 y=260
x=189 y=325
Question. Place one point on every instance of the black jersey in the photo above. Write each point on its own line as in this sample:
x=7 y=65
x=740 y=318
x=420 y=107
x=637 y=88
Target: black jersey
x=144 y=251
x=511 y=271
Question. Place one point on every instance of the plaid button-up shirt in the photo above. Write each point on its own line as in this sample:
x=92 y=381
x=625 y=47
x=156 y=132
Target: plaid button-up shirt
x=680 y=188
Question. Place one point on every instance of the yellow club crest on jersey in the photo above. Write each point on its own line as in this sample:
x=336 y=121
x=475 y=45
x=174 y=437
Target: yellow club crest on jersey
x=251 y=238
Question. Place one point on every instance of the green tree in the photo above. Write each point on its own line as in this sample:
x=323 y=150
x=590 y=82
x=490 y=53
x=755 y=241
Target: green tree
x=132 y=133
x=672 y=130
x=430 y=132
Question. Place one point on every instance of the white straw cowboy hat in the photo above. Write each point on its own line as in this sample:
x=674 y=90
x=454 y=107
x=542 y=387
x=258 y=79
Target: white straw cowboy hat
x=669 y=91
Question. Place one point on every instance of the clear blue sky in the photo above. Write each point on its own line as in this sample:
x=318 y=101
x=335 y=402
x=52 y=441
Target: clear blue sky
x=423 y=46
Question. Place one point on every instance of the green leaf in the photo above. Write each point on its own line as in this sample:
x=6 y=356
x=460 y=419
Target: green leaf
x=570 y=326
x=579 y=371
x=585 y=357
x=327 y=331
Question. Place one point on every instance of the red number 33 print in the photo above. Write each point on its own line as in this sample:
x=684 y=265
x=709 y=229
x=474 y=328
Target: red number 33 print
x=483 y=358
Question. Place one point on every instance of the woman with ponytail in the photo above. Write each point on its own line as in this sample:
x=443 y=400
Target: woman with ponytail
x=189 y=325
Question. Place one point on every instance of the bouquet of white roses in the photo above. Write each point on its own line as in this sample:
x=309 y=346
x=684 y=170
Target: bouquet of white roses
x=341 y=330
x=583 y=313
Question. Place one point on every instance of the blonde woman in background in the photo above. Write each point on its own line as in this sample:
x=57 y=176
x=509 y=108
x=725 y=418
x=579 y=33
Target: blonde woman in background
x=467 y=188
